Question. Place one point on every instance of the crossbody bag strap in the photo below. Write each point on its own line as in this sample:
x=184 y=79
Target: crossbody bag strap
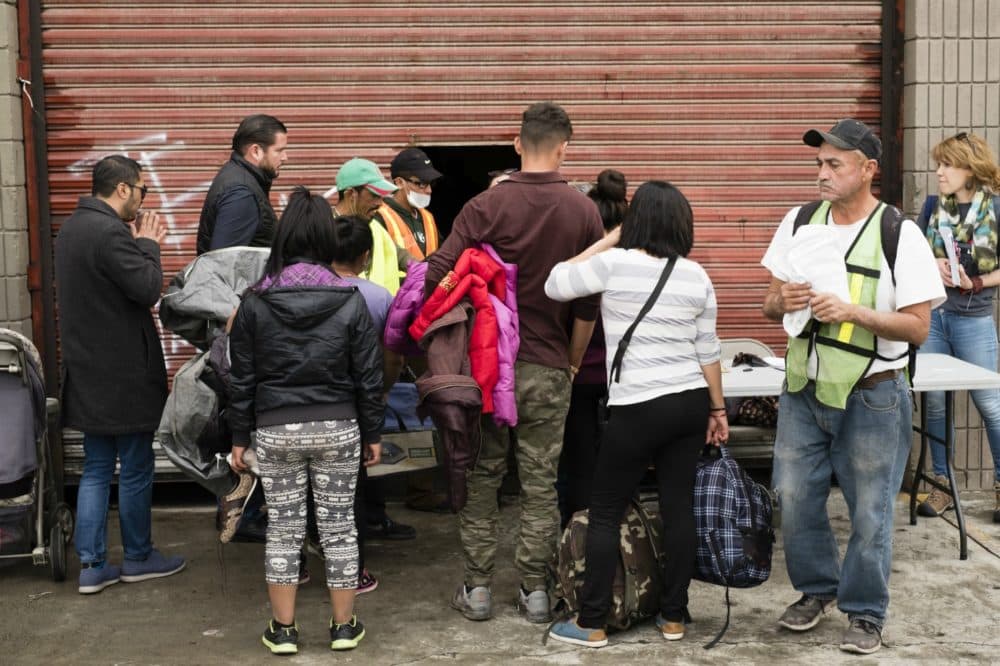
x=616 y=364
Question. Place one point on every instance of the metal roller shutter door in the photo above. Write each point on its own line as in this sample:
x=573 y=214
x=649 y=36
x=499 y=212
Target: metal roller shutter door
x=713 y=96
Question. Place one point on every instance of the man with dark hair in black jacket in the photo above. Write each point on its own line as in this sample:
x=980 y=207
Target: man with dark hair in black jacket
x=108 y=276
x=237 y=208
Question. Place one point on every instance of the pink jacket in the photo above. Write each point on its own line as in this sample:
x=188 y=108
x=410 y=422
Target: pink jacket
x=410 y=299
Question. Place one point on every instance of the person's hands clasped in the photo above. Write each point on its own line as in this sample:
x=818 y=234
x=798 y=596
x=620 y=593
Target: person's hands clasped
x=373 y=454
x=147 y=224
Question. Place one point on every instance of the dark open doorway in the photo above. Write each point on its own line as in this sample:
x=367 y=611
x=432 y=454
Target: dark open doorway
x=465 y=170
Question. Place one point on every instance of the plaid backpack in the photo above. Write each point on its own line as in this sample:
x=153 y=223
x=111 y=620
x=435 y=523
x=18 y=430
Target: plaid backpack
x=732 y=516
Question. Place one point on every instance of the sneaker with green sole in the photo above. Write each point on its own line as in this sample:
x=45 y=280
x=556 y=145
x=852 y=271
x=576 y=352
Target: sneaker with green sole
x=281 y=639
x=346 y=636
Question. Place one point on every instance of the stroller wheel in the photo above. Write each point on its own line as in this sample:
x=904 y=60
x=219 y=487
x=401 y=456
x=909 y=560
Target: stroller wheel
x=57 y=553
x=63 y=516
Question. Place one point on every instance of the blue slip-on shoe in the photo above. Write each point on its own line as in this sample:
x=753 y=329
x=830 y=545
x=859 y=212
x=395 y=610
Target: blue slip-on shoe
x=154 y=566
x=94 y=579
x=568 y=631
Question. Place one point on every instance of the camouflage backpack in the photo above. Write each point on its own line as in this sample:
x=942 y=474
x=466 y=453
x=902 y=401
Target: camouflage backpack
x=638 y=582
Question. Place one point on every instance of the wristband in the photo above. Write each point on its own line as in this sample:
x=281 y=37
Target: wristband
x=717 y=409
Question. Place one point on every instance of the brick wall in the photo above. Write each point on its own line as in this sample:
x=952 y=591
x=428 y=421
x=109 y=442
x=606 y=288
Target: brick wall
x=951 y=65
x=15 y=306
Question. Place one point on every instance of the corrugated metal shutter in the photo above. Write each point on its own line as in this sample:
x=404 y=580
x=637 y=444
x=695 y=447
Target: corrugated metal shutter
x=713 y=96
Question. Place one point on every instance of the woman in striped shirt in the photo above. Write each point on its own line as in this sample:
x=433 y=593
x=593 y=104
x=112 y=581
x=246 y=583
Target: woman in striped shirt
x=665 y=398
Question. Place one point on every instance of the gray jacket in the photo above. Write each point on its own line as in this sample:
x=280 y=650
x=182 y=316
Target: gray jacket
x=201 y=297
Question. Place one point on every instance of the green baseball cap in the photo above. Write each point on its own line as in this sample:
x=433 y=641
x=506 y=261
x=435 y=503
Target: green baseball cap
x=357 y=172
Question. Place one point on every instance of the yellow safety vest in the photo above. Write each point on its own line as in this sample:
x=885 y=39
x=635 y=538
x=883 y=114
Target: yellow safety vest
x=844 y=351
x=385 y=261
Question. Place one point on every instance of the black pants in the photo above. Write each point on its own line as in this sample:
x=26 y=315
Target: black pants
x=581 y=440
x=670 y=432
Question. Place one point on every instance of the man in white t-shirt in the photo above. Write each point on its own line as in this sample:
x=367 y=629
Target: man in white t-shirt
x=846 y=408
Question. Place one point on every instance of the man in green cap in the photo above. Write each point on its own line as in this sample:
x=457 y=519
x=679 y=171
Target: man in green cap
x=361 y=187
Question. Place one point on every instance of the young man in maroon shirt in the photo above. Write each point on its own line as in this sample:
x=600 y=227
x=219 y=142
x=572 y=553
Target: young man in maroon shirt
x=535 y=220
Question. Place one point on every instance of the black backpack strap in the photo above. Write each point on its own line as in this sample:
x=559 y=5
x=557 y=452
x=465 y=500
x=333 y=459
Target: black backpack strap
x=806 y=211
x=616 y=364
x=892 y=220
x=722 y=632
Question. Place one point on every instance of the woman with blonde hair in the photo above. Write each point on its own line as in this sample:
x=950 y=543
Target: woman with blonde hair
x=966 y=214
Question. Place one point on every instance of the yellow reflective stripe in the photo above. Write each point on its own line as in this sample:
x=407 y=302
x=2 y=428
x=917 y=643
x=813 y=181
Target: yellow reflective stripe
x=847 y=328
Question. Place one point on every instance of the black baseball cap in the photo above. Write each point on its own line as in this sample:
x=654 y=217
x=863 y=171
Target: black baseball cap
x=847 y=134
x=414 y=162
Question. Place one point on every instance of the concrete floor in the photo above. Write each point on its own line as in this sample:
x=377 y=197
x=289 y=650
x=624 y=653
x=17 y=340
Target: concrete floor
x=943 y=610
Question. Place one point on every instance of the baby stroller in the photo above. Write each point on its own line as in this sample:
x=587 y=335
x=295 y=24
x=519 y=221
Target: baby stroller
x=33 y=522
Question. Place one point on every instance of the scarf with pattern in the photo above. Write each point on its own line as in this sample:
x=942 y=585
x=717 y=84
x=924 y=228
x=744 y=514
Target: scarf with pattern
x=978 y=232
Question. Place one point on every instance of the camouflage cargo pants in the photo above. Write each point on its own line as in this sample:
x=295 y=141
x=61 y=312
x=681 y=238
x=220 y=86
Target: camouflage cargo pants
x=542 y=402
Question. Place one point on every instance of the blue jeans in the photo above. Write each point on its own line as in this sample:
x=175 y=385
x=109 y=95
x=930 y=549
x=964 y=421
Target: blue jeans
x=866 y=446
x=135 y=495
x=973 y=340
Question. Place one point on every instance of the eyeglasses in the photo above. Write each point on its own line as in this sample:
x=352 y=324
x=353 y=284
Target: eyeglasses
x=143 y=190
x=417 y=183
x=964 y=136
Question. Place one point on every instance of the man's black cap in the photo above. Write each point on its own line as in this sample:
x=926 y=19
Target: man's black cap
x=414 y=162
x=847 y=134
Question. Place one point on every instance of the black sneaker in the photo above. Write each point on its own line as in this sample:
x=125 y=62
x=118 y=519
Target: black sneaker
x=346 y=636
x=390 y=530
x=280 y=639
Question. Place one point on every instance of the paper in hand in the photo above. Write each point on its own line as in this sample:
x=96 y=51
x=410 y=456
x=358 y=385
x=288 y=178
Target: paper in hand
x=949 y=247
x=815 y=257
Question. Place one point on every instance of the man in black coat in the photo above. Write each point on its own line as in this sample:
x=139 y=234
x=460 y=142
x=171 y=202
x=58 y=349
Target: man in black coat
x=108 y=276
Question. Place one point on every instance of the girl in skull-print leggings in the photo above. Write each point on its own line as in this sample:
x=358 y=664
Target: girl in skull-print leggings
x=307 y=376
x=291 y=456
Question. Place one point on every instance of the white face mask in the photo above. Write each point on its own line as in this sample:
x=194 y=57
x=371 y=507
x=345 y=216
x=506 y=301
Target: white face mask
x=418 y=199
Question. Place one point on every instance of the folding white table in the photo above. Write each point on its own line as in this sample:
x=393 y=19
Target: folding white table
x=935 y=372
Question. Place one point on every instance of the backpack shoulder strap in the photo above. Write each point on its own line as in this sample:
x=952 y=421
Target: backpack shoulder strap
x=892 y=220
x=616 y=363
x=806 y=211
